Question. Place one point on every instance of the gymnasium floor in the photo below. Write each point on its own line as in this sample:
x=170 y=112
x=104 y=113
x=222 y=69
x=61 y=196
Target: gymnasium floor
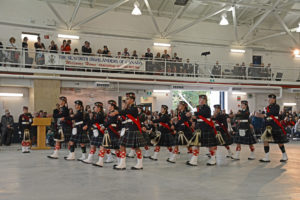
x=35 y=177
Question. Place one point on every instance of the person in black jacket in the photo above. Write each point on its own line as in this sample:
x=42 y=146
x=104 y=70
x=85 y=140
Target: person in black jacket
x=274 y=132
x=131 y=134
x=86 y=49
x=183 y=129
x=63 y=130
x=244 y=134
x=97 y=138
x=79 y=133
x=25 y=121
x=7 y=128
x=166 y=138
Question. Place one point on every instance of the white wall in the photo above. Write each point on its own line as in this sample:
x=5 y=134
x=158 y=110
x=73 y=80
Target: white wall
x=14 y=104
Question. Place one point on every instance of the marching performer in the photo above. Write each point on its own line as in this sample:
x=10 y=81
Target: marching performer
x=165 y=137
x=183 y=130
x=143 y=118
x=25 y=121
x=131 y=134
x=274 y=132
x=111 y=135
x=63 y=128
x=221 y=125
x=79 y=134
x=96 y=122
x=205 y=134
x=244 y=134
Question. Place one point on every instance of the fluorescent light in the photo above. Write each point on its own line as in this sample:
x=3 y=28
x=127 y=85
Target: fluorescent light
x=237 y=50
x=75 y=37
x=296 y=52
x=239 y=93
x=289 y=104
x=161 y=91
x=224 y=21
x=30 y=37
x=11 y=94
x=136 y=10
x=298 y=29
x=161 y=44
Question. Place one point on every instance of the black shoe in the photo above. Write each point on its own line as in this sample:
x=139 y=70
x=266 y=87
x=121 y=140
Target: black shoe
x=264 y=161
x=208 y=164
x=153 y=158
x=85 y=162
x=188 y=163
x=283 y=161
x=168 y=160
x=51 y=157
x=134 y=168
x=146 y=156
x=129 y=156
x=251 y=158
x=94 y=164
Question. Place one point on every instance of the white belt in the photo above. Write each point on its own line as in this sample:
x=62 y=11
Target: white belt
x=78 y=123
x=96 y=126
x=25 y=122
x=127 y=121
x=201 y=120
x=114 y=125
x=244 y=120
x=270 y=118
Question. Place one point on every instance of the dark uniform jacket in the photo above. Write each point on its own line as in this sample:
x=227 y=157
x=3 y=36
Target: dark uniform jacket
x=62 y=112
x=25 y=121
x=272 y=109
x=133 y=111
x=204 y=111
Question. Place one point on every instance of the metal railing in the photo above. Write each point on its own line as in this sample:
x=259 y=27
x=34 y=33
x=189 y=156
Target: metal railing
x=143 y=66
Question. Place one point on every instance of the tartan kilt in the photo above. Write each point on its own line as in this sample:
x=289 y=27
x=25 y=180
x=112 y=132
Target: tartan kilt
x=279 y=137
x=132 y=139
x=67 y=132
x=183 y=140
x=208 y=138
x=166 y=139
x=81 y=137
x=248 y=139
x=97 y=141
x=227 y=137
x=147 y=138
x=114 y=141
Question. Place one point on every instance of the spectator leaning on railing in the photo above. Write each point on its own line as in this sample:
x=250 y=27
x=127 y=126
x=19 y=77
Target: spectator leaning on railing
x=28 y=60
x=148 y=54
x=165 y=56
x=86 y=49
x=134 y=55
x=105 y=50
x=53 y=47
x=12 y=56
x=125 y=53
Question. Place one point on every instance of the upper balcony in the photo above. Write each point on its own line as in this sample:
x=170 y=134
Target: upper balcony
x=20 y=63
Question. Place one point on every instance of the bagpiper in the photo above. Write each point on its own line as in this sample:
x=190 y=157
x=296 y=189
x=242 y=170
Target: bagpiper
x=131 y=134
x=183 y=129
x=221 y=123
x=274 y=132
x=25 y=121
x=244 y=134
x=96 y=140
x=164 y=137
x=79 y=134
x=63 y=127
x=205 y=134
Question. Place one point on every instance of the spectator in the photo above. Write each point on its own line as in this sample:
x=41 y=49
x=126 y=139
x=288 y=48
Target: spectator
x=157 y=57
x=53 y=47
x=12 y=54
x=1 y=53
x=297 y=129
x=39 y=48
x=148 y=54
x=100 y=52
x=68 y=47
x=175 y=57
x=87 y=107
x=134 y=55
x=269 y=72
x=28 y=60
x=125 y=53
x=105 y=50
x=119 y=55
x=257 y=123
x=189 y=67
x=7 y=128
x=76 y=51
x=165 y=56
x=63 y=46
x=86 y=49
x=109 y=54
x=216 y=70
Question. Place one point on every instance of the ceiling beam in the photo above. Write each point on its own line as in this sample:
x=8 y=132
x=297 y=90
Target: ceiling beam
x=173 y=20
x=264 y=38
x=235 y=23
x=76 y=8
x=109 y=8
x=56 y=14
x=284 y=26
x=152 y=16
x=197 y=21
x=162 y=6
x=260 y=20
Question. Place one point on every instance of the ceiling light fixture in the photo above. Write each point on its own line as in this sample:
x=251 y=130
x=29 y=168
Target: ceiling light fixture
x=11 y=94
x=224 y=21
x=237 y=50
x=161 y=44
x=136 y=10
x=75 y=37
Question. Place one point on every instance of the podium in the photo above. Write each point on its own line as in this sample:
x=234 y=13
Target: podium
x=41 y=124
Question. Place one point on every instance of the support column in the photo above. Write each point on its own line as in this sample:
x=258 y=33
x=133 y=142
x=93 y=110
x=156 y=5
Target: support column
x=44 y=95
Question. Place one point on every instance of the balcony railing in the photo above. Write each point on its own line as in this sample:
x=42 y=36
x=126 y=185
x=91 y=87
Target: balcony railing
x=154 y=67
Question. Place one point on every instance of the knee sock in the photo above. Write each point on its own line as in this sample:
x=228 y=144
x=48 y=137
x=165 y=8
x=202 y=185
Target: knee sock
x=157 y=149
x=282 y=148
x=267 y=149
x=92 y=151
x=238 y=149
x=170 y=149
x=83 y=149
x=139 y=154
x=72 y=148
x=146 y=147
x=101 y=153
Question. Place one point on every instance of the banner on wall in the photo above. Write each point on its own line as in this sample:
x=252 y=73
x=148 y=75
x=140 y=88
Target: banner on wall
x=94 y=62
